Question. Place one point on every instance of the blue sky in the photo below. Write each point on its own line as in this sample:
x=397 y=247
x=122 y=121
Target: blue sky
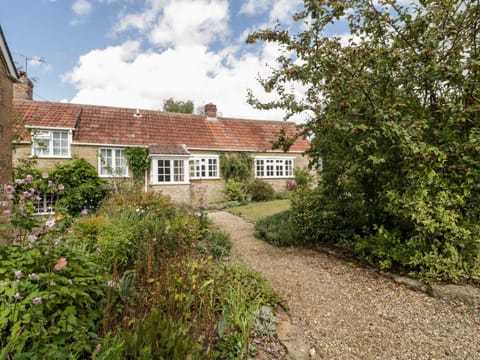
x=136 y=53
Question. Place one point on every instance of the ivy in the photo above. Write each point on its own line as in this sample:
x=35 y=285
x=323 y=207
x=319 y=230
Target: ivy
x=237 y=166
x=137 y=159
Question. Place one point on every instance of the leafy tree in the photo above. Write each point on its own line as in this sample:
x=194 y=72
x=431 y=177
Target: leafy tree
x=178 y=106
x=395 y=115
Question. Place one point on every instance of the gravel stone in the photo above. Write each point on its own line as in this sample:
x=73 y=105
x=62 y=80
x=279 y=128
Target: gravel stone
x=349 y=312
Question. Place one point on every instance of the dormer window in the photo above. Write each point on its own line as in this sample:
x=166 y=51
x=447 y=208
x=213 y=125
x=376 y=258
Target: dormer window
x=51 y=143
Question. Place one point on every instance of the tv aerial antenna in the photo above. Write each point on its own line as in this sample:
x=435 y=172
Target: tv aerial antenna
x=28 y=59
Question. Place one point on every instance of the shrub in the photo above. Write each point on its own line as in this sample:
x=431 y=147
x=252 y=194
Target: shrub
x=260 y=191
x=317 y=220
x=278 y=230
x=215 y=243
x=234 y=190
x=83 y=189
x=303 y=177
x=51 y=298
x=236 y=166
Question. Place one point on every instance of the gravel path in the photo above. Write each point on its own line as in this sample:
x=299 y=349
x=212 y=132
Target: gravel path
x=347 y=312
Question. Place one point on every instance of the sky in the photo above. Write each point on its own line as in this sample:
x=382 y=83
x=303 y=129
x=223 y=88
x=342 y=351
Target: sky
x=136 y=53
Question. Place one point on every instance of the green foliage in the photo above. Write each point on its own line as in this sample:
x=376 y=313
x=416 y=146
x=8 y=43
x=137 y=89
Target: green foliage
x=51 y=298
x=178 y=106
x=236 y=166
x=264 y=323
x=83 y=189
x=316 y=219
x=278 y=229
x=303 y=177
x=395 y=119
x=158 y=337
x=259 y=190
x=234 y=190
x=138 y=162
x=215 y=243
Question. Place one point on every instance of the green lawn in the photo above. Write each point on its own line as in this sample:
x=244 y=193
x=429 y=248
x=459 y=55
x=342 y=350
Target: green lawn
x=257 y=210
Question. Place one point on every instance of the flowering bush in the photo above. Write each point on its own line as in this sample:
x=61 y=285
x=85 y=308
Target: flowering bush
x=51 y=296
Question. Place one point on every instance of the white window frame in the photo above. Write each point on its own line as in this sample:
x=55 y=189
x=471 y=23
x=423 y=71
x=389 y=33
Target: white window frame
x=113 y=173
x=274 y=167
x=48 y=136
x=45 y=205
x=200 y=167
x=185 y=166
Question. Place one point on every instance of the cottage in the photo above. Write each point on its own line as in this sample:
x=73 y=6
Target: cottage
x=8 y=76
x=184 y=149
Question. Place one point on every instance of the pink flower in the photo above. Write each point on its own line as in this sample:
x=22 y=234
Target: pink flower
x=19 y=181
x=50 y=222
x=33 y=277
x=50 y=183
x=4 y=203
x=28 y=178
x=61 y=187
x=84 y=211
x=17 y=297
x=18 y=274
x=37 y=301
x=61 y=263
x=8 y=189
x=7 y=212
x=111 y=283
x=45 y=175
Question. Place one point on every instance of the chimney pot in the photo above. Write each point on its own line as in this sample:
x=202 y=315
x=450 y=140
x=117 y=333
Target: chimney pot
x=211 y=110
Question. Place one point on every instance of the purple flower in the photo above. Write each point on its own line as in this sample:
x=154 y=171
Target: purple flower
x=17 y=297
x=45 y=175
x=33 y=277
x=37 y=301
x=61 y=187
x=18 y=274
x=28 y=178
x=8 y=189
x=50 y=222
x=7 y=212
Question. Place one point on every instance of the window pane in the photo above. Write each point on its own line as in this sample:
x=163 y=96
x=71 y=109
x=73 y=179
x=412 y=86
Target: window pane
x=279 y=168
x=164 y=171
x=212 y=167
x=106 y=162
x=178 y=170
x=60 y=143
x=288 y=167
x=41 y=147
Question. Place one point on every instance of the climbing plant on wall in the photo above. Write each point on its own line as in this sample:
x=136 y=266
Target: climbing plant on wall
x=137 y=159
x=238 y=166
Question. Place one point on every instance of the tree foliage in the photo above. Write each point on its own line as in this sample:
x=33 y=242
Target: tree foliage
x=395 y=115
x=178 y=106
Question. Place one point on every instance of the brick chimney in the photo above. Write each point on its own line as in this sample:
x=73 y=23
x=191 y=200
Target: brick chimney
x=23 y=89
x=211 y=110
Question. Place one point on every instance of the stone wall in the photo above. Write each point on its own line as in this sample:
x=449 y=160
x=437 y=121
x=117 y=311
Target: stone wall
x=179 y=193
x=6 y=94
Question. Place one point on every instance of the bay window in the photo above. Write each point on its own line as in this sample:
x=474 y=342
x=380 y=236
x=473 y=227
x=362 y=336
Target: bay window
x=169 y=170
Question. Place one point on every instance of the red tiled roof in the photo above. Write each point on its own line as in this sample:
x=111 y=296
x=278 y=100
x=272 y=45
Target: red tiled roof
x=123 y=126
x=44 y=114
x=168 y=150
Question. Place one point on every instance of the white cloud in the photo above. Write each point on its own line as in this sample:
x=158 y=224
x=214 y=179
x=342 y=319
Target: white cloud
x=191 y=22
x=182 y=63
x=123 y=76
x=82 y=7
x=283 y=10
x=253 y=7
